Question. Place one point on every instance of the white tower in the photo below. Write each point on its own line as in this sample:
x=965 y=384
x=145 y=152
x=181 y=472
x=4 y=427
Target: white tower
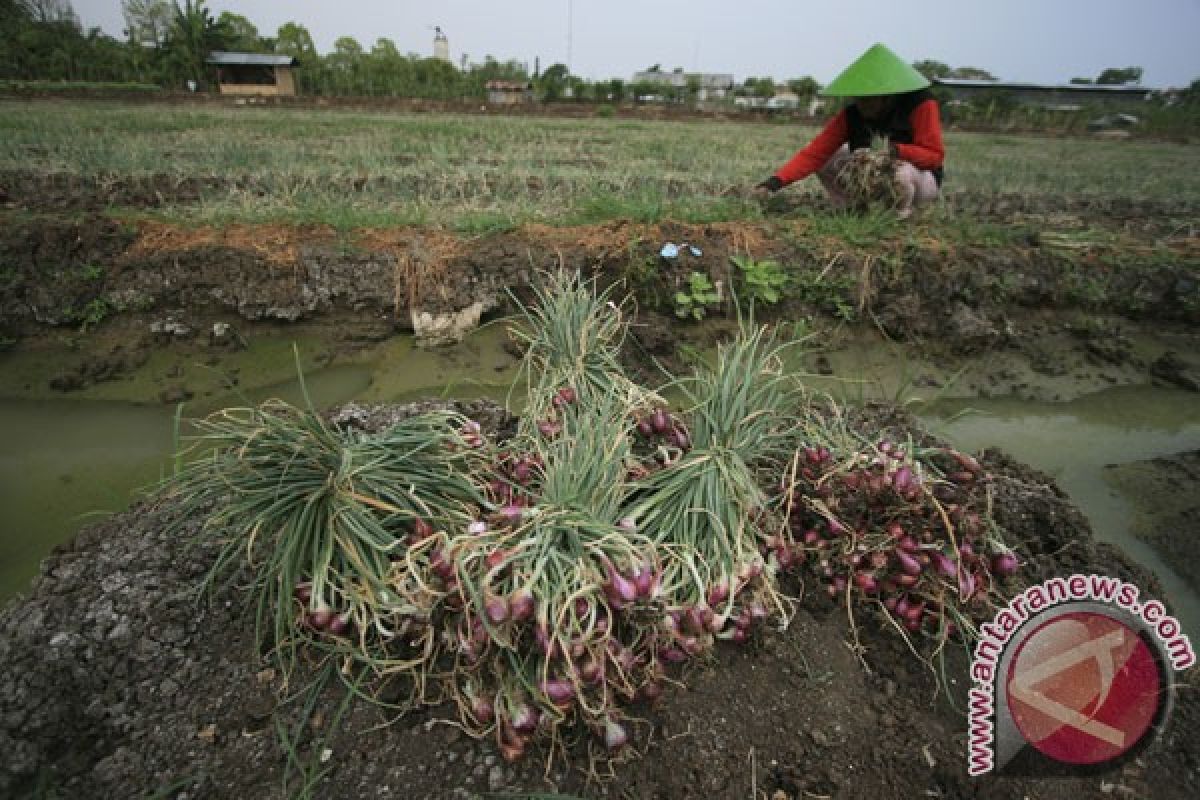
x=441 y=46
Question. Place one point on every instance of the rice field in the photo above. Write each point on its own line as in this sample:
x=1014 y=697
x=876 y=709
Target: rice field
x=483 y=172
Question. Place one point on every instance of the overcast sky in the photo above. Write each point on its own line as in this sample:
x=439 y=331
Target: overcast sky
x=1048 y=41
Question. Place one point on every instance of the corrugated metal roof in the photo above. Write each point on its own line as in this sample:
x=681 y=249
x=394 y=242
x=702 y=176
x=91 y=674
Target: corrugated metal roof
x=1073 y=87
x=221 y=57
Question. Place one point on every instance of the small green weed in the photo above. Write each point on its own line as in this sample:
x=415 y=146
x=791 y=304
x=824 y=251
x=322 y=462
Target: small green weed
x=865 y=229
x=642 y=276
x=699 y=296
x=91 y=272
x=763 y=280
x=96 y=311
x=484 y=223
x=832 y=294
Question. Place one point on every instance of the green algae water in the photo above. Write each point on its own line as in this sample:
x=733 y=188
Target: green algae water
x=65 y=462
x=62 y=460
x=68 y=460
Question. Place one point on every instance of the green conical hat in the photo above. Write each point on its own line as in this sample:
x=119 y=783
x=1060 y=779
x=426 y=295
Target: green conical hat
x=877 y=71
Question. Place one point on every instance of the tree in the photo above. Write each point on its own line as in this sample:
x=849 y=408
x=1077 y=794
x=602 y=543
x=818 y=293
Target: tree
x=436 y=78
x=1081 y=81
x=147 y=22
x=193 y=35
x=578 y=89
x=385 y=49
x=639 y=90
x=493 y=70
x=389 y=70
x=760 y=87
x=347 y=68
x=553 y=82
x=293 y=39
x=932 y=69
x=804 y=87
x=50 y=11
x=240 y=33
x=613 y=90
x=1191 y=95
x=971 y=74
x=1118 y=76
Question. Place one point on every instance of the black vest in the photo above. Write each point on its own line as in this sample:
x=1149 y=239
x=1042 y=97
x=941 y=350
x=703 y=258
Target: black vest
x=896 y=127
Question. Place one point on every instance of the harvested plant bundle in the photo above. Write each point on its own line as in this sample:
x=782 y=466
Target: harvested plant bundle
x=573 y=336
x=707 y=509
x=869 y=177
x=554 y=592
x=902 y=528
x=322 y=514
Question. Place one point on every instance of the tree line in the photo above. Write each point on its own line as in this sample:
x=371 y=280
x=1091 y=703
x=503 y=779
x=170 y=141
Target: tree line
x=167 y=44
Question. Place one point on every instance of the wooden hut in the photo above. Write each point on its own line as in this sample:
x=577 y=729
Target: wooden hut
x=254 y=73
x=508 y=93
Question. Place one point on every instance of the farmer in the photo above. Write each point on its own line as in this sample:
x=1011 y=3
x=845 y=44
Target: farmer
x=892 y=101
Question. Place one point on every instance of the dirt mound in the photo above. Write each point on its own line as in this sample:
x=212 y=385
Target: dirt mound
x=116 y=681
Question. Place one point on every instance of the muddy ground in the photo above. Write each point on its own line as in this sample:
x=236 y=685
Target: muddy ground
x=1167 y=507
x=117 y=681
x=1060 y=303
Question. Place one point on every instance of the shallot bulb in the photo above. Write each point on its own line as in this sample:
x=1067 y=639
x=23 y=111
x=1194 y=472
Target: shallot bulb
x=520 y=604
x=615 y=735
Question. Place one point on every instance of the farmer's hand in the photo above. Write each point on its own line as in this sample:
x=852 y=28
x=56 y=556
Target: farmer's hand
x=767 y=187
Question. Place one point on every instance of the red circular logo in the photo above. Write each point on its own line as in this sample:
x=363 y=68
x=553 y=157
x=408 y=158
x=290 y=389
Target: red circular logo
x=1083 y=688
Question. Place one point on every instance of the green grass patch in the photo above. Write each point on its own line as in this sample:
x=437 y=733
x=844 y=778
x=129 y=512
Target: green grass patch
x=478 y=174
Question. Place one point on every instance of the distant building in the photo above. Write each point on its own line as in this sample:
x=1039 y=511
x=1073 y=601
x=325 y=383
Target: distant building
x=508 y=93
x=254 y=73
x=1059 y=97
x=784 y=101
x=441 y=46
x=709 y=86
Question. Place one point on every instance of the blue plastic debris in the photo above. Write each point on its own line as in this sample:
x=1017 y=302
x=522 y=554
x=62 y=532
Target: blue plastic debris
x=695 y=250
x=669 y=250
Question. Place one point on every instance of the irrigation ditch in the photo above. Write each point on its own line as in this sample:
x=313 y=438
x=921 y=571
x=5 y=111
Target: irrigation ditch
x=115 y=676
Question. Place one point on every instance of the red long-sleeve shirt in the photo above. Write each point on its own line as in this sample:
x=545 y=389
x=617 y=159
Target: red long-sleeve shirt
x=925 y=152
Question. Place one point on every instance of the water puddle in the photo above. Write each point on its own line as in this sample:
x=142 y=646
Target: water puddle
x=66 y=461
x=1073 y=442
